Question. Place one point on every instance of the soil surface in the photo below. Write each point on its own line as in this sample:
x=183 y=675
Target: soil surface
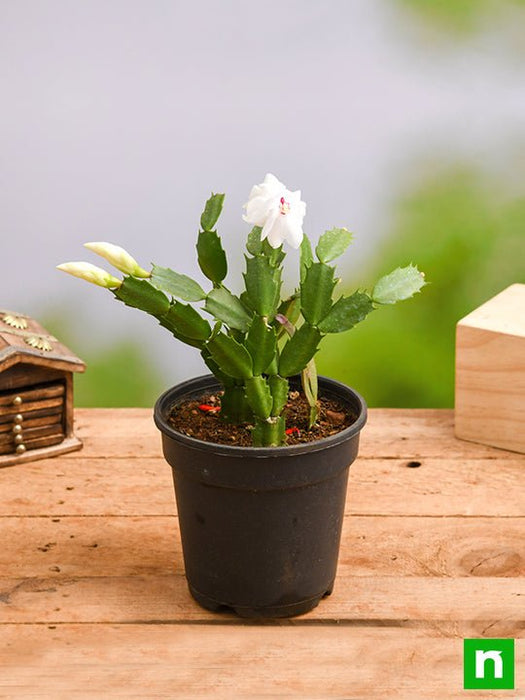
x=199 y=417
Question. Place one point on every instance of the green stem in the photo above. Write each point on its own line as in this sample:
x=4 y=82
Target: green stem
x=234 y=405
x=269 y=432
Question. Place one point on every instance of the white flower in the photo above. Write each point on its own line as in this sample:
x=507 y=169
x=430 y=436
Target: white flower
x=118 y=257
x=90 y=273
x=278 y=211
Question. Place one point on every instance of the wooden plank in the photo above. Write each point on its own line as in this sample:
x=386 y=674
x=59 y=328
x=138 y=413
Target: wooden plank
x=88 y=487
x=370 y=546
x=172 y=661
x=123 y=433
x=489 y=603
x=412 y=434
x=394 y=433
x=80 y=485
x=91 y=550
x=439 y=487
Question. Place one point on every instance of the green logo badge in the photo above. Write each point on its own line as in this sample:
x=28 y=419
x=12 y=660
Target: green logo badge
x=488 y=664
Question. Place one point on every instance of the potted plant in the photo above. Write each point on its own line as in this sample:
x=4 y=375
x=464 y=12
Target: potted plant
x=260 y=448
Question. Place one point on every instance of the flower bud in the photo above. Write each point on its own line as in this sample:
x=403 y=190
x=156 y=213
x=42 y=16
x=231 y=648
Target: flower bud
x=118 y=257
x=90 y=273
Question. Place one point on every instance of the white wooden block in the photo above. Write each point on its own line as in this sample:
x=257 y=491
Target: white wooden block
x=490 y=372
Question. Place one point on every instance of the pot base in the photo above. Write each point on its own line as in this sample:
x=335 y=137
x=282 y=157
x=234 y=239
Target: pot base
x=274 y=611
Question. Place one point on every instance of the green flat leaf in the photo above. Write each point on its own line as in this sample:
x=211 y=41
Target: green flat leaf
x=214 y=368
x=273 y=367
x=261 y=344
x=254 y=243
x=212 y=258
x=228 y=308
x=316 y=292
x=216 y=329
x=232 y=358
x=279 y=387
x=259 y=396
x=347 y=312
x=141 y=294
x=184 y=339
x=277 y=278
x=237 y=335
x=307 y=257
x=212 y=211
x=176 y=285
x=333 y=243
x=234 y=404
x=186 y=321
x=274 y=255
x=399 y=285
x=262 y=285
x=299 y=350
x=246 y=301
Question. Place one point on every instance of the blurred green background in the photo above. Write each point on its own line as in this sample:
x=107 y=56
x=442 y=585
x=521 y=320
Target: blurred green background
x=459 y=16
x=473 y=247
x=404 y=120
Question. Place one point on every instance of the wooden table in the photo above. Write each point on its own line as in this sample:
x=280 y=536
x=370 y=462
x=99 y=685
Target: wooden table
x=93 y=600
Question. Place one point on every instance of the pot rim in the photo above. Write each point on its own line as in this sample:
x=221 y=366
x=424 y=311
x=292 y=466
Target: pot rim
x=164 y=403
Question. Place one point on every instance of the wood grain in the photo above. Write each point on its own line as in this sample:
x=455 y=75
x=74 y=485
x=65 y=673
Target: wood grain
x=81 y=485
x=490 y=372
x=94 y=603
x=155 y=599
x=211 y=661
x=370 y=546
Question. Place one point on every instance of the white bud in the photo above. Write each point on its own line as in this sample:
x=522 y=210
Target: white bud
x=90 y=273
x=118 y=257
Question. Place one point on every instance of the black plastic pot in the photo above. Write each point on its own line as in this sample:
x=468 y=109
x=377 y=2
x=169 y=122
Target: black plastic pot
x=260 y=526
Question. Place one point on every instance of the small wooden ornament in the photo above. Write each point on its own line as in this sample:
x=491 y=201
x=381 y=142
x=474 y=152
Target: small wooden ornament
x=490 y=372
x=36 y=391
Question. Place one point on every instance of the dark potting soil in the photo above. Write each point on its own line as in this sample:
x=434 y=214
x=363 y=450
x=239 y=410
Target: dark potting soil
x=200 y=418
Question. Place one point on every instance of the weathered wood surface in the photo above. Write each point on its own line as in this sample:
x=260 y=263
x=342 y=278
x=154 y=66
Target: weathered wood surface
x=216 y=661
x=93 y=600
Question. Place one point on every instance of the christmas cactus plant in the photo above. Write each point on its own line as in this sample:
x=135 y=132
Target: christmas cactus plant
x=256 y=341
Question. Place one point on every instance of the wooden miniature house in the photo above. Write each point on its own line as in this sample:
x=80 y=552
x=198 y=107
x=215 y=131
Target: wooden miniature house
x=36 y=392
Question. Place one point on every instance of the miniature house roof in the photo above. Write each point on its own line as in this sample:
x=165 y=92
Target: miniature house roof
x=22 y=339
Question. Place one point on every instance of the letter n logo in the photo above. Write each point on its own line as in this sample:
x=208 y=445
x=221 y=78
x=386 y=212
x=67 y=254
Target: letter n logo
x=488 y=664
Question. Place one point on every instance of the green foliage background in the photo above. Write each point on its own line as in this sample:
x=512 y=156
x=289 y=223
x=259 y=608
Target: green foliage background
x=118 y=376
x=459 y=16
x=468 y=236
